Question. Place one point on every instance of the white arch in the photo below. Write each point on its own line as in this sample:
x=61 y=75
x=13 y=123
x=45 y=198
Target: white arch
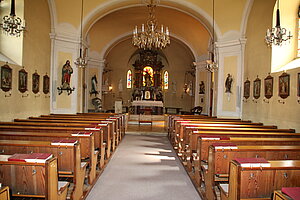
x=126 y=35
x=206 y=17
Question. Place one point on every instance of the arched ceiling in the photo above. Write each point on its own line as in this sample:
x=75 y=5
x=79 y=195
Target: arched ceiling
x=119 y=24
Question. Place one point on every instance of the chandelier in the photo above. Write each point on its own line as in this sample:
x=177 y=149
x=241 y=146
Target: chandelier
x=12 y=25
x=211 y=65
x=81 y=61
x=277 y=35
x=149 y=37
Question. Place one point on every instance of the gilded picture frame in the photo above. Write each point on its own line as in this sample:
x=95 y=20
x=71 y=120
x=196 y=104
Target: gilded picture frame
x=6 y=78
x=284 y=85
x=46 y=84
x=23 y=79
x=35 y=83
x=256 y=88
x=247 y=89
x=298 y=84
x=268 y=85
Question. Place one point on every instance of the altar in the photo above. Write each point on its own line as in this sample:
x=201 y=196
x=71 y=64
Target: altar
x=147 y=107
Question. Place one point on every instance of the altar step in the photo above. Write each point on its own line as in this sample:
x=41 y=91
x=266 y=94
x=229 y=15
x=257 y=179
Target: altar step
x=146 y=123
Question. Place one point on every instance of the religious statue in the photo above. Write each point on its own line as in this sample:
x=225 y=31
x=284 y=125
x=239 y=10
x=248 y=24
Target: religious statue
x=158 y=95
x=148 y=81
x=228 y=83
x=94 y=85
x=201 y=88
x=67 y=71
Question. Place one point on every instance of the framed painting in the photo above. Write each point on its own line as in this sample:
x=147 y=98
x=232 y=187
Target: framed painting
x=23 y=78
x=46 y=84
x=256 y=88
x=35 y=83
x=247 y=89
x=284 y=85
x=6 y=78
x=269 y=86
x=298 y=84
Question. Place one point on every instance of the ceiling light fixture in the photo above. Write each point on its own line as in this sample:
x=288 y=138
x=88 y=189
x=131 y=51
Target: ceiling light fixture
x=81 y=61
x=211 y=65
x=12 y=25
x=149 y=37
x=277 y=35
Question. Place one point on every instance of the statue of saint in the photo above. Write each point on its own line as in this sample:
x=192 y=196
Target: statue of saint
x=94 y=85
x=228 y=83
x=67 y=71
x=148 y=81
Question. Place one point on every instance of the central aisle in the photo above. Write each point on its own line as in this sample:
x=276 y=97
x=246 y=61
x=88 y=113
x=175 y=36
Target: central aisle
x=144 y=168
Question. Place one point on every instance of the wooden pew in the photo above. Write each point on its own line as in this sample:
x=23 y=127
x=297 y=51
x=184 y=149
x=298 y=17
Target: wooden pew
x=69 y=159
x=217 y=169
x=98 y=132
x=87 y=144
x=259 y=183
x=189 y=132
x=36 y=180
x=114 y=135
x=106 y=126
x=201 y=155
x=191 y=141
x=4 y=193
x=287 y=193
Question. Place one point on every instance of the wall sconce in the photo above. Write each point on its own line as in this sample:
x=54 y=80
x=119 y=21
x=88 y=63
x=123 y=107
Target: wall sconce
x=37 y=95
x=26 y=94
x=266 y=100
x=68 y=89
x=7 y=94
x=281 y=101
x=254 y=100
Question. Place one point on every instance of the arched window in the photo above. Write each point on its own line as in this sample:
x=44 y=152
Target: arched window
x=129 y=79
x=166 y=80
x=287 y=56
x=147 y=71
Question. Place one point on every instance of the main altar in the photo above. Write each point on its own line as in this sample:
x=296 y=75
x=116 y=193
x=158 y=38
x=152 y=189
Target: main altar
x=147 y=96
x=147 y=107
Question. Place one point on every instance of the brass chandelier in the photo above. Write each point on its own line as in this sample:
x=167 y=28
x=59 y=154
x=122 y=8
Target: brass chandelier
x=149 y=37
x=277 y=35
x=12 y=25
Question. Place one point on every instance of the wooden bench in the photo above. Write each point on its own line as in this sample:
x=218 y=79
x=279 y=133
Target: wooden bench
x=106 y=126
x=201 y=154
x=69 y=159
x=217 y=169
x=4 y=193
x=98 y=132
x=87 y=144
x=111 y=140
x=259 y=183
x=36 y=180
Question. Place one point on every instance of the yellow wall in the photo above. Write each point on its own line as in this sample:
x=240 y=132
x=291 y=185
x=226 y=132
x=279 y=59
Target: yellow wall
x=258 y=63
x=36 y=57
x=12 y=46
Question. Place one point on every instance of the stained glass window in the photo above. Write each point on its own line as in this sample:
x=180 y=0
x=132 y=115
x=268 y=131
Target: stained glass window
x=148 y=76
x=166 y=80
x=129 y=79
